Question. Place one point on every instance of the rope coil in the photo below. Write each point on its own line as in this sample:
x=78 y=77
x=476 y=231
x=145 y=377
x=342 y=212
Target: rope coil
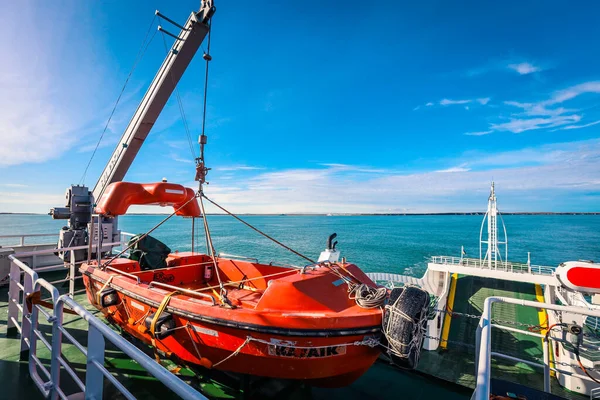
x=366 y=296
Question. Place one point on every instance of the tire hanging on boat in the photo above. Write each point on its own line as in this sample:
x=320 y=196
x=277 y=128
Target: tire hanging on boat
x=403 y=326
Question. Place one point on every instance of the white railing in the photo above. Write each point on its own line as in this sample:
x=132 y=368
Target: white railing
x=484 y=344
x=23 y=282
x=507 y=266
x=22 y=238
x=72 y=264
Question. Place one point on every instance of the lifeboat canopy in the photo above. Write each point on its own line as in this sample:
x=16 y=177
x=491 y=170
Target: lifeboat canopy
x=582 y=276
x=120 y=195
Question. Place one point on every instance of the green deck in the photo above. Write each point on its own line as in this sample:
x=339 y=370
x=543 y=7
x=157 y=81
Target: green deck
x=456 y=364
x=381 y=377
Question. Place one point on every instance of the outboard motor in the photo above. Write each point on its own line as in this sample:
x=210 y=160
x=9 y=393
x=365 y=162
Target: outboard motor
x=404 y=323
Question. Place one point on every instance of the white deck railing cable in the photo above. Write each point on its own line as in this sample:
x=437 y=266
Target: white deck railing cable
x=507 y=266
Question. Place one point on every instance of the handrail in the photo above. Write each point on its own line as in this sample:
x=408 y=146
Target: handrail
x=173 y=382
x=484 y=342
x=28 y=235
x=226 y=255
x=23 y=266
x=49 y=251
x=182 y=290
x=23 y=237
x=118 y=271
x=49 y=382
x=33 y=337
x=507 y=266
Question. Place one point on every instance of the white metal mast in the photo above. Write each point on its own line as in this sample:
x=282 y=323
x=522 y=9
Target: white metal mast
x=492 y=254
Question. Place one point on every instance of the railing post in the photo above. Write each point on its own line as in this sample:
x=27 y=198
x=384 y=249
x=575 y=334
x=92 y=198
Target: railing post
x=13 y=298
x=482 y=390
x=26 y=330
x=22 y=241
x=56 y=349
x=94 y=379
x=546 y=365
x=72 y=273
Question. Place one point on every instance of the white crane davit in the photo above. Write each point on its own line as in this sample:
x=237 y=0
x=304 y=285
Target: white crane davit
x=79 y=200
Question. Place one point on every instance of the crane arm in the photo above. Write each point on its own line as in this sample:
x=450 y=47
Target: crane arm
x=177 y=60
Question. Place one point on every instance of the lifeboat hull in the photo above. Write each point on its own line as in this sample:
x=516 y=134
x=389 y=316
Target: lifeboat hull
x=330 y=346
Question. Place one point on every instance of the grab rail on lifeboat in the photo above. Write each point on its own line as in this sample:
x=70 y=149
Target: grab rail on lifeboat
x=271 y=263
x=225 y=255
x=182 y=290
x=137 y=278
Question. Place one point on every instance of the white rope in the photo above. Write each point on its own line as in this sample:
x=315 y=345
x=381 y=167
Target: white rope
x=235 y=353
x=125 y=308
x=193 y=342
x=366 y=296
x=369 y=341
x=143 y=317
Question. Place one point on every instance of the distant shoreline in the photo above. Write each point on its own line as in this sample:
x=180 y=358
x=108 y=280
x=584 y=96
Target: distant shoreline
x=360 y=214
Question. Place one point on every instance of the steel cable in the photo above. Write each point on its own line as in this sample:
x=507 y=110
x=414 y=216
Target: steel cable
x=138 y=58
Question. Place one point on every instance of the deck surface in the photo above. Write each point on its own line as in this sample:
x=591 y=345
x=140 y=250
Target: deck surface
x=213 y=384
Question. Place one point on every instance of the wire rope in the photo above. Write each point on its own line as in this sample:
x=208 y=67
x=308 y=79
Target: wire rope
x=180 y=105
x=138 y=58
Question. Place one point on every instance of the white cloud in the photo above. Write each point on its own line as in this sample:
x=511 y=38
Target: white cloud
x=177 y=158
x=32 y=200
x=547 y=172
x=580 y=126
x=355 y=168
x=45 y=101
x=238 y=168
x=524 y=68
x=481 y=133
x=429 y=104
x=546 y=113
x=448 y=102
x=460 y=168
x=574 y=91
x=522 y=125
x=539 y=109
x=483 y=101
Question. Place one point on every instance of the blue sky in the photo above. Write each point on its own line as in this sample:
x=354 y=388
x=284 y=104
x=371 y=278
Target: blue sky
x=340 y=107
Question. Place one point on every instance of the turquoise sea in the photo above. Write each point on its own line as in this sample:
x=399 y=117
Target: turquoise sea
x=398 y=244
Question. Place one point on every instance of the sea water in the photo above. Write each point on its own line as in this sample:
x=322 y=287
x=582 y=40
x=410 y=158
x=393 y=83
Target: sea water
x=399 y=244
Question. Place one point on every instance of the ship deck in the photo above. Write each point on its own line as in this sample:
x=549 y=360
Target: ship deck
x=213 y=384
x=456 y=363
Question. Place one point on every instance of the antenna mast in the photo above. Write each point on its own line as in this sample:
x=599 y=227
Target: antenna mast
x=493 y=253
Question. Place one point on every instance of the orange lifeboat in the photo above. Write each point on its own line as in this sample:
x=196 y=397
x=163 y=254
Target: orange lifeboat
x=239 y=315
